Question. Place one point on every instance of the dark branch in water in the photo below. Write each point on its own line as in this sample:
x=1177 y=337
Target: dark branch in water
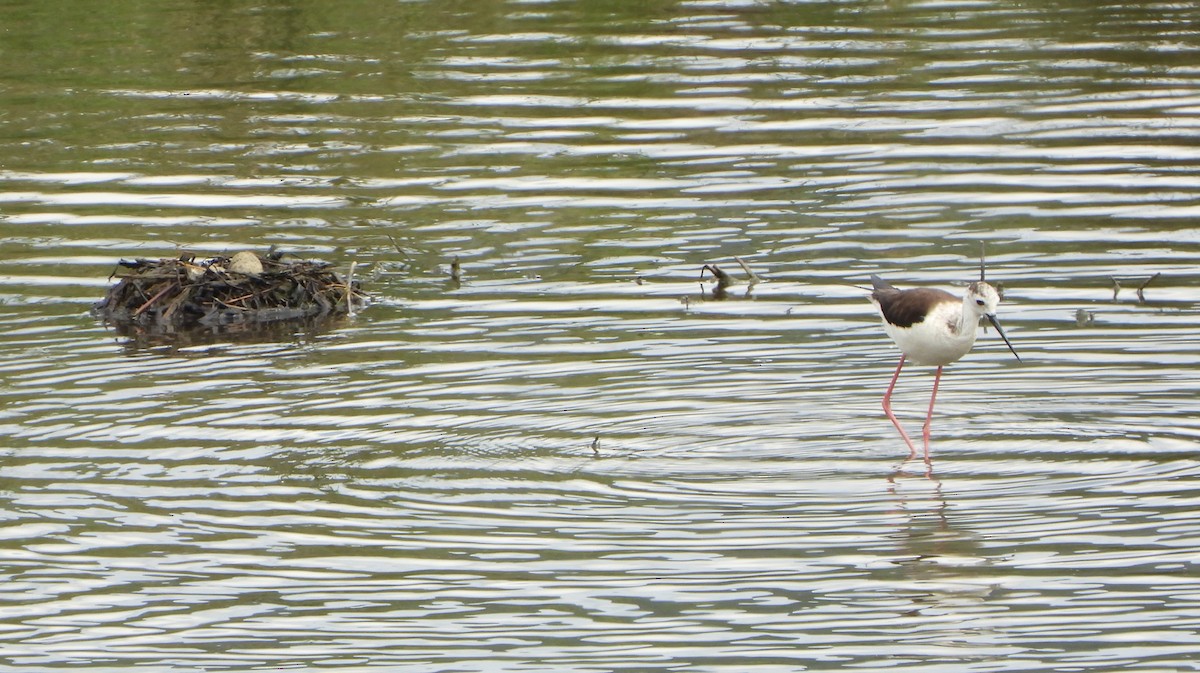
x=350 y=290
x=1142 y=287
x=724 y=280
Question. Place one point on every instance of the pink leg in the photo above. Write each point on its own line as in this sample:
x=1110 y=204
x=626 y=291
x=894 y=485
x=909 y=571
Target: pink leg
x=887 y=409
x=929 y=415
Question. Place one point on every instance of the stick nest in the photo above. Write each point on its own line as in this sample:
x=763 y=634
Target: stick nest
x=176 y=294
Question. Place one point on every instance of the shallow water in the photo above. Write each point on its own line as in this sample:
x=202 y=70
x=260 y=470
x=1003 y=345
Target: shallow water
x=578 y=458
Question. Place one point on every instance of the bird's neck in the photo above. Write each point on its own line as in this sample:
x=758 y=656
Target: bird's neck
x=968 y=320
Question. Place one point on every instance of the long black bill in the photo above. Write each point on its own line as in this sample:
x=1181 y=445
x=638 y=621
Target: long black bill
x=996 y=323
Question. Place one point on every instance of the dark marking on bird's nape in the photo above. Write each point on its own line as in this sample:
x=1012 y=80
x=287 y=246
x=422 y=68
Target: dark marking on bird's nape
x=905 y=308
x=982 y=288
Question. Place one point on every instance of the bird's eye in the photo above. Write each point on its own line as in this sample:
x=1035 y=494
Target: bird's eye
x=979 y=302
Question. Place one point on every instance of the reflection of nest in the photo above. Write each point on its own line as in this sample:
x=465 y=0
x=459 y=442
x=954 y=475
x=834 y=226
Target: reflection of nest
x=176 y=295
x=137 y=338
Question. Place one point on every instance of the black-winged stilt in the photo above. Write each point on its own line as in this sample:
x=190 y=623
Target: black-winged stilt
x=932 y=327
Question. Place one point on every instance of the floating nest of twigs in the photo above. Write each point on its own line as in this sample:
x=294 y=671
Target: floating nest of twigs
x=177 y=295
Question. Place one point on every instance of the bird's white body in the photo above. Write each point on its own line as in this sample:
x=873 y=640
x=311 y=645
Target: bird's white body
x=946 y=334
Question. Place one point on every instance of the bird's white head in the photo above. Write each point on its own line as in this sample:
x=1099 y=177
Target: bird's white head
x=981 y=301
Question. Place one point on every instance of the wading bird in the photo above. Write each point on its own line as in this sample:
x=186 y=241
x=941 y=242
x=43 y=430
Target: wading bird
x=932 y=327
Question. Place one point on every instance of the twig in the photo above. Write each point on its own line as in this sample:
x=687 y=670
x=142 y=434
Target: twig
x=151 y=300
x=745 y=267
x=1142 y=297
x=724 y=280
x=178 y=301
x=1141 y=289
x=350 y=290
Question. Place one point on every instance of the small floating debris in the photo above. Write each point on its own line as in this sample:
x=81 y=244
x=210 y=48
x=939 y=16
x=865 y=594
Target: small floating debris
x=456 y=275
x=171 y=295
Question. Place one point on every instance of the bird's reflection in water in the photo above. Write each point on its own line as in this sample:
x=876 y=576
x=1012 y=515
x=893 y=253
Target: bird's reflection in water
x=940 y=568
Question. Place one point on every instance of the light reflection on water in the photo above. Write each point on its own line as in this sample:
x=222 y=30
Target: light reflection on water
x=577 y=458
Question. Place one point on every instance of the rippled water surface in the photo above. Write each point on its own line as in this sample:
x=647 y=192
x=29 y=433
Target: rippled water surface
x=583 y=456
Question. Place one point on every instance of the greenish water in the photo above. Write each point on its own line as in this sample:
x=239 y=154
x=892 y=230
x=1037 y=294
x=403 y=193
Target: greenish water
x=421 y=487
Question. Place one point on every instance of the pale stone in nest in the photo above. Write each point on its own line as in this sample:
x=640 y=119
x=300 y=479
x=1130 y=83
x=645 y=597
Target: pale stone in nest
x=245 y=262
